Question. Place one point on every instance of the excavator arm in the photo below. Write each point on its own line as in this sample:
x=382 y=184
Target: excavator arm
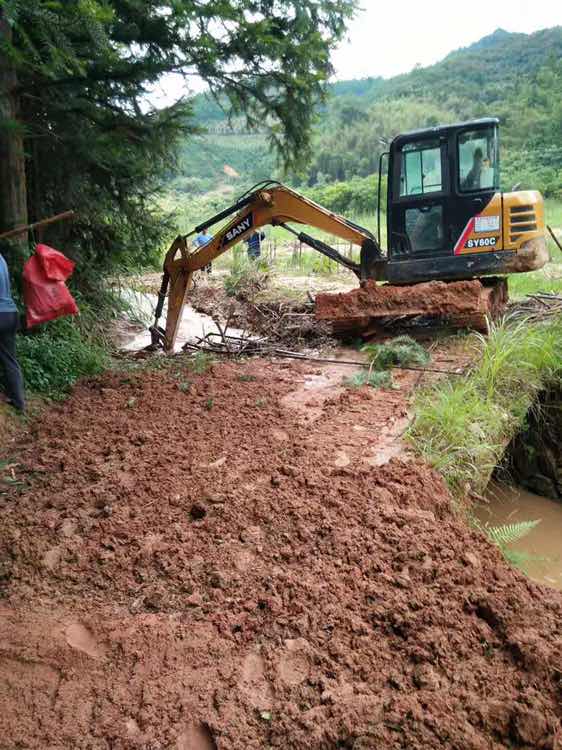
x=273 y=204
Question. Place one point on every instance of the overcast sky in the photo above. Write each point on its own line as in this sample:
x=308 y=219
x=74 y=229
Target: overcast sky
x=389 y=37
x=392 y=36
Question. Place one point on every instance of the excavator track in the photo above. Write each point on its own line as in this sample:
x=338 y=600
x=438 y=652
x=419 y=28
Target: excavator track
x=463 y=304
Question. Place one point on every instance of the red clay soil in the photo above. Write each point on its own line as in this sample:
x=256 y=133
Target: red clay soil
x=430 y=298
x=192 y=567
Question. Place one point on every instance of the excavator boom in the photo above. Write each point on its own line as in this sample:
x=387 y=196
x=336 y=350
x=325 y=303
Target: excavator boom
x=272 y=204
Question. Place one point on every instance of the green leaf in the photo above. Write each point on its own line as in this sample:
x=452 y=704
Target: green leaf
x=509 y=533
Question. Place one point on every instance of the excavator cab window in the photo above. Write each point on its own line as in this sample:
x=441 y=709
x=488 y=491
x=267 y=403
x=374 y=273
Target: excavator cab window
x=420 y=184
x=477 y=158
x=421 y=168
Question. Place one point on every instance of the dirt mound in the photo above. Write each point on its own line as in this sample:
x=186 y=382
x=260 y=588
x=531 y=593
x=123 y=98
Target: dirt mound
x=456 y=299
x=189 y=565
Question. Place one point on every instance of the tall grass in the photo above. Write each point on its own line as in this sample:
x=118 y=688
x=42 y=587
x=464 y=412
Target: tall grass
x=461 y=426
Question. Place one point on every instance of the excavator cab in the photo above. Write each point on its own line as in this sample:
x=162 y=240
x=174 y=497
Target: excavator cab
x=446 y=216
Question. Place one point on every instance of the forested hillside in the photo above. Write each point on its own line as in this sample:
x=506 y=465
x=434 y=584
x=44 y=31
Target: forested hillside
x=517 y=77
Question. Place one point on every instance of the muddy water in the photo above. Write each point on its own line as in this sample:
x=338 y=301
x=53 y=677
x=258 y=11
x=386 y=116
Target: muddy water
x=543 y=544
x=193 y=325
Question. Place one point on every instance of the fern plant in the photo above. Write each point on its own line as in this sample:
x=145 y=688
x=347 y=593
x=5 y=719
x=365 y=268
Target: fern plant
x=510 y=532
x=503 y=536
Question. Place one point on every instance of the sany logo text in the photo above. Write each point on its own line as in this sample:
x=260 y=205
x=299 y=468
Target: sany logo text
x=239 y=229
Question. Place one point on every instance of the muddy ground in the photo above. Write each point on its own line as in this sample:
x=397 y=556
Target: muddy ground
x=230 y=560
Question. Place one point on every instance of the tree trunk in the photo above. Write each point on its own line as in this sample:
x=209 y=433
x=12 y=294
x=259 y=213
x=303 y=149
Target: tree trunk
x=13 y=190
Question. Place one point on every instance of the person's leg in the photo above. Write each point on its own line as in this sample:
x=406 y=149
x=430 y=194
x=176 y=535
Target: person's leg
x=12 y=371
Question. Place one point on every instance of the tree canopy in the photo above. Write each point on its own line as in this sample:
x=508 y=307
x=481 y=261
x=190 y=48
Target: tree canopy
x=75 y=87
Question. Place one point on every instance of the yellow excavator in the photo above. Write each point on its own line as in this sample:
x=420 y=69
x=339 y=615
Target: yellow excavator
x=450 y=230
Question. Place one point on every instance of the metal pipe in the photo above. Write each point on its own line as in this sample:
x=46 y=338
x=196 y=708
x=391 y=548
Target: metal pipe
x=223 y=214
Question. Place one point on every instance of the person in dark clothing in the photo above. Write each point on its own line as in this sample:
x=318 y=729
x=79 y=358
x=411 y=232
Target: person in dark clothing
x=8 y=326
x=472 y=180
x=254 y=245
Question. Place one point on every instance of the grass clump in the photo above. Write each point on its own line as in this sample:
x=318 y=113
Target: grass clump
x=461 y=426
x=402 y=350
x=246 y=279
x=374 y=378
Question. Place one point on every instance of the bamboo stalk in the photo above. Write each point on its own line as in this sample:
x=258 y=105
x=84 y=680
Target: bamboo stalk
x=36 y=225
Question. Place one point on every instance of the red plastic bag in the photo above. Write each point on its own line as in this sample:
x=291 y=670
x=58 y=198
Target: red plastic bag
x=56 y=266
x=45 y=293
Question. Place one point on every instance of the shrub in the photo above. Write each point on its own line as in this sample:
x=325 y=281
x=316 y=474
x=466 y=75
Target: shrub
x=54 y=358
x=246 y=279
x=402 y=350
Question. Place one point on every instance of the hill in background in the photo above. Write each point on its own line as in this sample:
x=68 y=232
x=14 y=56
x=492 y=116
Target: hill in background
x=516 y=77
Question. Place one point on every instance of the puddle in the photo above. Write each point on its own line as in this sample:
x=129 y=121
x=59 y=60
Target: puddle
x=193 y=325
x=544 y=543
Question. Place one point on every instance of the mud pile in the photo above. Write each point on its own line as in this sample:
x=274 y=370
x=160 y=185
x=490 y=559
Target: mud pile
x=187 y=566
x=460 y=301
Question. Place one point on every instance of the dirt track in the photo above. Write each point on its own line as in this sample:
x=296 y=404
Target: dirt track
x=209 y=561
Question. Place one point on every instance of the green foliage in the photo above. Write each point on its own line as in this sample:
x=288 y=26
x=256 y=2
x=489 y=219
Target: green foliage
x=210 y=161
x=374 y=378
x=515 y=354
x=503 y=536
x=246 y=279
x=509 y=533
x=200 y=363
x=85 y=76
x=53 y=359
x=461 y=426
x=514 y=76
x=357 y=195
x=402 y=350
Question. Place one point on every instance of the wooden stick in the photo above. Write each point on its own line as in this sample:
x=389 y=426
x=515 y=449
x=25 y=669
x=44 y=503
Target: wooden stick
x=554 y=237
x=222 y=348
x=43 y=223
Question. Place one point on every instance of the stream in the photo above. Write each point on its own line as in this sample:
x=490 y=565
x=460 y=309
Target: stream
x=542 y=547
x=193 y=325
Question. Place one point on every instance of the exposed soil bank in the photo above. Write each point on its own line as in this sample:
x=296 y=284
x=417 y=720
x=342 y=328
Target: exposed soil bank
x=533 y=459
x=206 y=564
